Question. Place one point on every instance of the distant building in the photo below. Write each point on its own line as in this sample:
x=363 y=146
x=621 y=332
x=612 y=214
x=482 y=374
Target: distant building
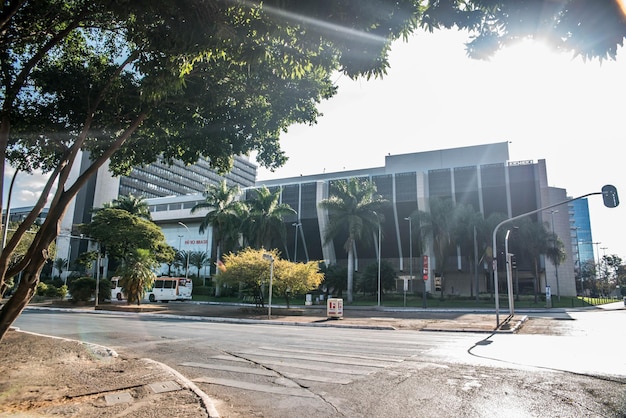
x=19 y=214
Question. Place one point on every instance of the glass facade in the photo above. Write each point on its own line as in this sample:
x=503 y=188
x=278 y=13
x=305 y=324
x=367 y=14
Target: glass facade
x=582 y=240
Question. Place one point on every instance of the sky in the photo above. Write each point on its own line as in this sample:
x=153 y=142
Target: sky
x=548 y=106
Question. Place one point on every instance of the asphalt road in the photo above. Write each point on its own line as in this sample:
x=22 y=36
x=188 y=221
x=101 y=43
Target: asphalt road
x=276 y=371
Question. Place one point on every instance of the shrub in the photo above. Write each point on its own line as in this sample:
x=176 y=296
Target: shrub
x=104 y=290
x=82 y=289
x=42 y=288
x=62 y=291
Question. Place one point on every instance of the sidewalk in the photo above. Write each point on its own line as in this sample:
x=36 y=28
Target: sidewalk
x=44 y=376
x=370 y=317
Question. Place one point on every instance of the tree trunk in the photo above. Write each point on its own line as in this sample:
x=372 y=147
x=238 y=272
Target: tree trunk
x=24 y=293
x=218 y=255
x=350 y=274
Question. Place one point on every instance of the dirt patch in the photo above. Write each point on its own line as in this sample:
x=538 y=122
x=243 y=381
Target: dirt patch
x=45 y=376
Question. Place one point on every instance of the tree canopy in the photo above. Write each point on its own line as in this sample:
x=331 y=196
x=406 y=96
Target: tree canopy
x=122 y=233
x=249 y=268
x=131 y=81
x=355 y=211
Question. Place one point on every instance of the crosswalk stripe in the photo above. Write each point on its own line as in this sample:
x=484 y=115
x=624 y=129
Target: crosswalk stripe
x=276 y=390
x=226 y=368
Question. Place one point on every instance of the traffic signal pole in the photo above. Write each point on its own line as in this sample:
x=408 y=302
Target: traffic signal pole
x=611 y=200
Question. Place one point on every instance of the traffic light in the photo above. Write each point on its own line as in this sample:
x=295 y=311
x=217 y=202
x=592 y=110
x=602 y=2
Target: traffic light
x=609 y=195
x=513 y=262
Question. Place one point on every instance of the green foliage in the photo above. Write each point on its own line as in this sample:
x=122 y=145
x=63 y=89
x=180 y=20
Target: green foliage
x=368 y=282
x=263 y=221
x=82 y=289
x=355 y=211
x=137 y=275
x=122 y=232
x=132 y=204
x=41 y=288
x=334 y=279
x=104 y=290
x=295 y=278
x=251 y=270
x=86 y=260
x=25 y=243
x=60 y=264
x=51 y=291
x=199 y=259
x=246 y=267
x=223 y=214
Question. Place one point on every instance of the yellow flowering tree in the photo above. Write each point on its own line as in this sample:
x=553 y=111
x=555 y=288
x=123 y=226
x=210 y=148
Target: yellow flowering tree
x=248 y=268
x=295 y=278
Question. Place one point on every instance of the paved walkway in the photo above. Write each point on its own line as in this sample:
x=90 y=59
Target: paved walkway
x=467 y=320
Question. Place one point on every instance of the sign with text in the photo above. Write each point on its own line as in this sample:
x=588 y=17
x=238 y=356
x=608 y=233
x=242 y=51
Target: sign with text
x=425 y=267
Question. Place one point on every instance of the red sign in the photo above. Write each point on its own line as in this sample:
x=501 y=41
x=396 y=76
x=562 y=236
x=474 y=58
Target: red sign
x=425 y=267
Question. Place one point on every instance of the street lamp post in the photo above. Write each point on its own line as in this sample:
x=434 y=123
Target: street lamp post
x=99 y=260
x=269 y=304
x=378 y=257
x=556 y=266
x=508 y=271
x=411 y=257
x=186 y=268
x=610 y=196
x=295 y=249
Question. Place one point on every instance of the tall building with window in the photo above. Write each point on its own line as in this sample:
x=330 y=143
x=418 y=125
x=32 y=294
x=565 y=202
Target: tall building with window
x=152 y=181
x=582 y=240
x=481 y=176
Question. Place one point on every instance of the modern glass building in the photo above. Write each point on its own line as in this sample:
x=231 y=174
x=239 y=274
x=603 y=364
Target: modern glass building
x=582 y=240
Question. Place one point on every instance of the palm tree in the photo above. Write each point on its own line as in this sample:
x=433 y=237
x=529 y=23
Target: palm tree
x=137 y=275
x=534 y=241
x=555 y=252
x=180 y=260
x=468 y=223
x=264 y=221
x=199 y=259
x=132 y=204
x=440 y=225
x=355 y=206
x=223 y=214
x=60 y=264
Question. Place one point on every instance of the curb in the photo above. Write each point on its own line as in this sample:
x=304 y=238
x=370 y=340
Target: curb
x=206 y=401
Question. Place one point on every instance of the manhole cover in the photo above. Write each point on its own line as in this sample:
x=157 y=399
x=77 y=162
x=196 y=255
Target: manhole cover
x=115 y=398
x=161 y=387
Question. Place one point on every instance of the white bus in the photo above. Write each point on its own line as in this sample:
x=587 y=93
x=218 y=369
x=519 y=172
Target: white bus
x=116 y=289
x=164 y=289
x=170 y=288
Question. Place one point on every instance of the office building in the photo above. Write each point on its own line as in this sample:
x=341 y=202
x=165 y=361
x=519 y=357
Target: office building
x=482 y=176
